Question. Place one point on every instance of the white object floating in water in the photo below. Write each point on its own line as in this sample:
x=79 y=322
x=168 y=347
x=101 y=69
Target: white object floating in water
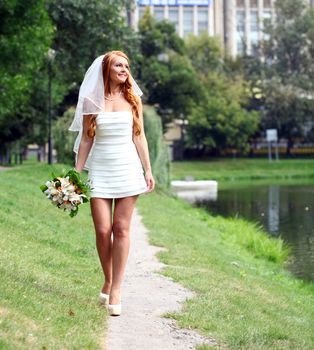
x=196 y=190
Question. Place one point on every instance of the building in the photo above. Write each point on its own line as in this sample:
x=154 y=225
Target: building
x=188 y=16
x=244 y=24
x=239 y=23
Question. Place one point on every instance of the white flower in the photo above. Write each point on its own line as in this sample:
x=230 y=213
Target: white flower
x=74 y=197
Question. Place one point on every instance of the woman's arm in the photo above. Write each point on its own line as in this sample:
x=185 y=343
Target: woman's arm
x=142 y=149
x=85 y=144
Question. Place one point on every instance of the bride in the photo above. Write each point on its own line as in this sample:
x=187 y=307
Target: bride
x=112 y=146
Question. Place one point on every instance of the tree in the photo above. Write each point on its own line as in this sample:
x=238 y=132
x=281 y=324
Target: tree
x=168 y=77
x=288 y=86
x=205 y=53
x=221 y=118
x=220 y=121
x=84 y=30
x=25 y=36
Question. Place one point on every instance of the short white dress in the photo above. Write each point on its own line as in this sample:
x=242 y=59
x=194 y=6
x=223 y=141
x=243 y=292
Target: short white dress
x=115 y=169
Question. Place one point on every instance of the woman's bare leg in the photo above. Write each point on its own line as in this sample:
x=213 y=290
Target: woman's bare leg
x=102 y=217
x=122 y=216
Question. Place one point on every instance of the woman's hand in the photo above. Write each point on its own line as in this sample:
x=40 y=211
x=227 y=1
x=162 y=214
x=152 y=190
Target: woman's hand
x=149 y=181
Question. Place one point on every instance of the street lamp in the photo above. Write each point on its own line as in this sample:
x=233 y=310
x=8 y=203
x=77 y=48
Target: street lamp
x=182 y=123
x=50 y=58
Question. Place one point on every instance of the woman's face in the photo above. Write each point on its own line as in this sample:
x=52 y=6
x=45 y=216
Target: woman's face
x=119 y=70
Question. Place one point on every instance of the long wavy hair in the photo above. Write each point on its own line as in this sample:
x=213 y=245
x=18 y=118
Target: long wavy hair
x=126 y=89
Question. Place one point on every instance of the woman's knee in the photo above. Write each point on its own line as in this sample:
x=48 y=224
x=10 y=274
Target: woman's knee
x=103 y=232
x=120 y=230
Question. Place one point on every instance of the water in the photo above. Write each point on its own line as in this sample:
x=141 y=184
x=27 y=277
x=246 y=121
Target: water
x=283 y=210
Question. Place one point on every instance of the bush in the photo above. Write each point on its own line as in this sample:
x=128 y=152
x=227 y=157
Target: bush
x=158 y=150
x=64 y=139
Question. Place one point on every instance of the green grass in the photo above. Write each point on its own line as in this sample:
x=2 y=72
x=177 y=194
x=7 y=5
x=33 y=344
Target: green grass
x=50 y=274
x=243 y=169
x=245 y=299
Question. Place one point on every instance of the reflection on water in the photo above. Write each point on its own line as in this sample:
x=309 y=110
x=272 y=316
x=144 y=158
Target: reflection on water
x=283 y=210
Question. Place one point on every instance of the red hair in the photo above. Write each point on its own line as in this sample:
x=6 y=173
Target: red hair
x=126 y=88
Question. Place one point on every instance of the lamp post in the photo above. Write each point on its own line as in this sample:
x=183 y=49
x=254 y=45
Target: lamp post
x=50 y=58
x=182 y=122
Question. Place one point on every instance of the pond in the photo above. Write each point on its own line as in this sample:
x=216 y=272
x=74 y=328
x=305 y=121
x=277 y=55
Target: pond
x=283 y=210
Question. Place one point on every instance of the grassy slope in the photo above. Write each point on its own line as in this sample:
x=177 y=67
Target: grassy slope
x=50 y=274
x=242 y=301
x=243 y=169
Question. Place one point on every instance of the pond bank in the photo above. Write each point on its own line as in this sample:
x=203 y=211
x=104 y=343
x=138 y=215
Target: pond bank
x=244 y=300
x=239 y=169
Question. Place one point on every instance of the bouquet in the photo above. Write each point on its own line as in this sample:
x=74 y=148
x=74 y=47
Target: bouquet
x=67 y=191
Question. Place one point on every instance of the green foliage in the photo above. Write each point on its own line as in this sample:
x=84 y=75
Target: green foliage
x=169 y=78
x=158 y=150
x=220 y=120
x=290 y=47
x=25 y=36
x=250 y=236
x=158 y=36
x=85 y=30
x=173 y=86
x=205 y=53
x=63 y=138
x=287 y=110
x=288 y=85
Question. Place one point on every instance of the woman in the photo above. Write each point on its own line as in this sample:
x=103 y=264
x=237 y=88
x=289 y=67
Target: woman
x=113 y=147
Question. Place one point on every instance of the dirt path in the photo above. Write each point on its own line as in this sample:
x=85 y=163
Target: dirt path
x=146 y=295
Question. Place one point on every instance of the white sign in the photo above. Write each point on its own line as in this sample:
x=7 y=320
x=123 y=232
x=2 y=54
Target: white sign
x=271 y=135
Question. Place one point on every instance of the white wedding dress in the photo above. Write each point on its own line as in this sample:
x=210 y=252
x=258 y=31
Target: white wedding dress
x=115 y=169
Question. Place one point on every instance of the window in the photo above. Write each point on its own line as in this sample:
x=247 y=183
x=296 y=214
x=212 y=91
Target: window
x=266 y=17
x=240 y=21
x=202 y=19
x=174 y=17
x=240 y=46
x=254 y=38
x=254 y=43
x=187 y=20
x=267 y=3
x=267 y=14
x=159 y=13
x=240 y=35
x=253 y=3
x=254 y=21
x=240 y=3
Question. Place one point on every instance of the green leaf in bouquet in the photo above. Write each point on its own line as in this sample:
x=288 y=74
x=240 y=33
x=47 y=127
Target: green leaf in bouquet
x=43 y=188
x=74 y=212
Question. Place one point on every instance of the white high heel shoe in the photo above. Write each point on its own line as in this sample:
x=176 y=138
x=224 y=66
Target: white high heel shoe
x=114 y=309
x=104 y=299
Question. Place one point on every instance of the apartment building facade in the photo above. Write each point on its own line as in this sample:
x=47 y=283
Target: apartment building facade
x=238 y=23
